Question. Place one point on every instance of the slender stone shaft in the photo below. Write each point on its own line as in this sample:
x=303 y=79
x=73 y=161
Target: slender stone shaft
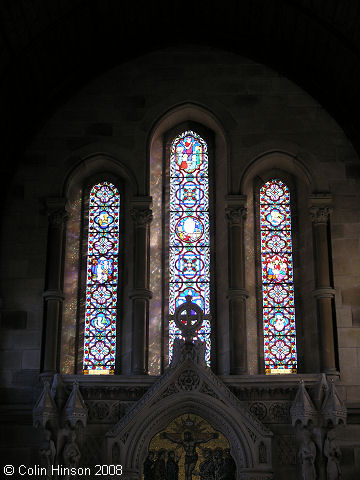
x=53 y=296
x=142 y=216
x=324 y=293
x=236 y=215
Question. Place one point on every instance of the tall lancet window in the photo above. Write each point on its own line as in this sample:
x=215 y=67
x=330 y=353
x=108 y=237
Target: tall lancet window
x=102 y=280
x=277 y=278
x=189 y=242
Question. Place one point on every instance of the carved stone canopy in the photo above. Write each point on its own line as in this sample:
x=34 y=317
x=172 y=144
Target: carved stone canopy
x=303 y=409
x=75 y=409
x=329 y=409
x=333 y=410
x=190 y=387
x=45 y=409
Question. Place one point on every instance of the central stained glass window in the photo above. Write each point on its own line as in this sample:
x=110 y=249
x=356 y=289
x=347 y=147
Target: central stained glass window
x=277 y=278
x=102 y=280
x=189 y=243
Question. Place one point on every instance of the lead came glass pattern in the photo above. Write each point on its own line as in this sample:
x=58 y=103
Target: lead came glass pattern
x=189 y=244
x=102 y=280
x=277 y=278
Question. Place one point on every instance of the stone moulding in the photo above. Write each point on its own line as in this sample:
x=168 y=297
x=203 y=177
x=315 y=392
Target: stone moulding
x=189 y=386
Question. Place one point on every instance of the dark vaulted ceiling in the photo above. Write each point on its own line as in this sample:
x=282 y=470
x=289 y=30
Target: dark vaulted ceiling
x=49 y=48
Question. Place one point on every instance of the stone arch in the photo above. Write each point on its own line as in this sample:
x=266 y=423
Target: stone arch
x=298 y=170
x=94 y=162
x=134 y=438
x=217 y=121
x=94 y=159
x=292 y=163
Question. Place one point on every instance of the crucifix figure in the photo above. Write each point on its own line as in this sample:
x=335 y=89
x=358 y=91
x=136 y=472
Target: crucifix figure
x=189 y=444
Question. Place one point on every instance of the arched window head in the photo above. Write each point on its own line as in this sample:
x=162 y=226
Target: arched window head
x=101 y=280
x=277 y=278
x=189 y=242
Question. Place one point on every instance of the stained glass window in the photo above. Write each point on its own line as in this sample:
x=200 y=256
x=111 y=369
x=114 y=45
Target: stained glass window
x=277 y=278
x=189 y=244
x=102 y=279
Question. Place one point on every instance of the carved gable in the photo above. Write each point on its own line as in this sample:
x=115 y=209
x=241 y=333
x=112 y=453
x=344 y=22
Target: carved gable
x=190 y=387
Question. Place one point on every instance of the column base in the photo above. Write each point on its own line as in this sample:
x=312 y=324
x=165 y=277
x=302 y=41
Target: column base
x=331 y=372
x=47 y=376
x=238 y=371
x=139 y=371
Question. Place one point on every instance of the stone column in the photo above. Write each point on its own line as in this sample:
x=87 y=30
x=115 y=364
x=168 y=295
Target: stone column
x=53 y=295
x=324 y=292
x=140 y=295
x=236 y=215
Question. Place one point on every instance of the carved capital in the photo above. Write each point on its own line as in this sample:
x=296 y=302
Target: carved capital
x=237 y=293
x=324 y=292
x=58 y=218
x=141 y=217
x=236 y=210
x=140 y=293
x=56 y=211
x=236 y=215
x=320 y=215
x=53 y=295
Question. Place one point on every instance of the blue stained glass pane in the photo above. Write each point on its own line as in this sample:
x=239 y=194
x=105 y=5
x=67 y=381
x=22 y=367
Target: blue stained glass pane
x=102 y=280
x=189 y=242
x=189 y=228
x=277 y=278
x=187 y=264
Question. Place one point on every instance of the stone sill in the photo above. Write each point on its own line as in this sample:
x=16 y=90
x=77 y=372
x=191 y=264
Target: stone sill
x=245 y=381
x=110 y=380
x=273 y=381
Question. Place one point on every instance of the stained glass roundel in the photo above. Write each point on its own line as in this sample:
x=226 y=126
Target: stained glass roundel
x=102 y=280
x=189 y=243
x=277 y=278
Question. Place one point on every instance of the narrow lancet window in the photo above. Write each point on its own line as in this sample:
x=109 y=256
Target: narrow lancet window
x=277 y=278
x=102 y=280
x=189 y=243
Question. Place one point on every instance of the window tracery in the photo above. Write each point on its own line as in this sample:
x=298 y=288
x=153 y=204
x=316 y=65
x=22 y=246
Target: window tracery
x=102 y=280
x=189 y=242
x=277 y=278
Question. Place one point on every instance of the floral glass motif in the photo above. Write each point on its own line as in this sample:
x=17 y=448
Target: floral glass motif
x=189 y=244
x=277 y=278
x=102 y=279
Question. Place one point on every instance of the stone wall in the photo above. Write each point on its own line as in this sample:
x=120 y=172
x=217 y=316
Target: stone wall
x=255 y=111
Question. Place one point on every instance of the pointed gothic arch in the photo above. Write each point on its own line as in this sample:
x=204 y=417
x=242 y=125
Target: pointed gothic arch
x=173 y=122
x=189 y=387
